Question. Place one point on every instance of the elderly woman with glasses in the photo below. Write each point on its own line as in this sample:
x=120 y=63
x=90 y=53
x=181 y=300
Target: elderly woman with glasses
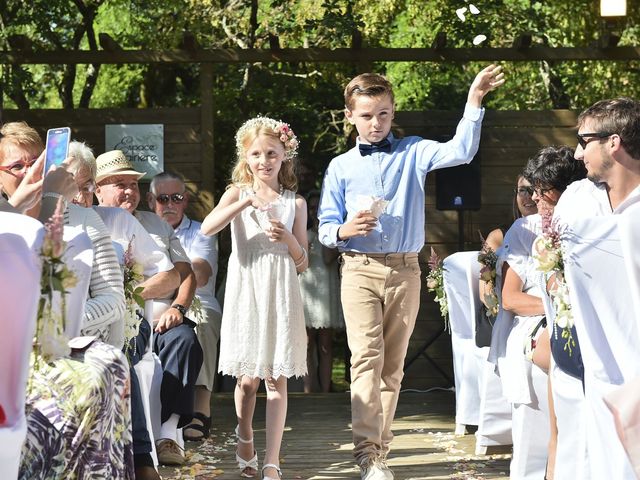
x=77 y=407
x=128 y=234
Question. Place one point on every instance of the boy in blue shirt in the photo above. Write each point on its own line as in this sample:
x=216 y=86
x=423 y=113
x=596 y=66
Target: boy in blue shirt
x=372 y=210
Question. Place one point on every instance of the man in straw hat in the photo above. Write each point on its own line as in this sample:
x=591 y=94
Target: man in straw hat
x=174 y=341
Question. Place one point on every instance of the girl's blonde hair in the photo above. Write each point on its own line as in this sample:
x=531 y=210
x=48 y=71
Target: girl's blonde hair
x=249 y=131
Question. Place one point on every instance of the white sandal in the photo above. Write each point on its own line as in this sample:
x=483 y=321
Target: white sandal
x=244 y=464
x=271 y=465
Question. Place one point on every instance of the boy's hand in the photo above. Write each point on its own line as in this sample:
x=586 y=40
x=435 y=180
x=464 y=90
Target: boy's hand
x=488 y=79
x=358 y=226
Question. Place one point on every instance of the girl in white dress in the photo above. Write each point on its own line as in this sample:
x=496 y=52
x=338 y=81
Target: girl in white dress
x=263 y=333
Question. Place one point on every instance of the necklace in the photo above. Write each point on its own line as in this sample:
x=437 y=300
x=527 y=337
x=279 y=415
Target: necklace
x=280 y=192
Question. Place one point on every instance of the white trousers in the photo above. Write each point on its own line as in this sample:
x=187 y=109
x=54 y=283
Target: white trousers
x=571 y=417
x=530 y=431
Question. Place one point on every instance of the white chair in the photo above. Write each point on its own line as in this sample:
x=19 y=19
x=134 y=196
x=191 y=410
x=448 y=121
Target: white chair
x=79 y=259
x=494 y=421
x=466 y=366
x=20 y=271
x=479 y=399
x=149 y=372
x=601 y=270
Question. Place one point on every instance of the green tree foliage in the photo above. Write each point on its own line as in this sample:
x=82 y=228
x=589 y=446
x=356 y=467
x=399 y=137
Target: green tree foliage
x=309 y=96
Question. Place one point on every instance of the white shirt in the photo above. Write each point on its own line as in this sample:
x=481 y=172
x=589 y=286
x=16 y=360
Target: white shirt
x=164 y=235
x=201 y=246
x=124 y=230
x=166 y=238
x=585 y=199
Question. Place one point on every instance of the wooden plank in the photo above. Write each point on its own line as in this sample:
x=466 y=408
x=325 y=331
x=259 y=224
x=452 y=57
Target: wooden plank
x=81 y=116
x=492 y=118
x=296 y=55
x=317 y=442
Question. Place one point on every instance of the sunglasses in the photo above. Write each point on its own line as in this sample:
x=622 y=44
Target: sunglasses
x=583 y=136
x=164 y=198
x=523 y=191
x=17 y=168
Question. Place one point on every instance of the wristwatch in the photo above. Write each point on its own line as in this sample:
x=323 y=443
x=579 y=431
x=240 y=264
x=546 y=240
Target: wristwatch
x=181 y=308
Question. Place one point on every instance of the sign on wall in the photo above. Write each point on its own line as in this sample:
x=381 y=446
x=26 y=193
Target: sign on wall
x=142 y=144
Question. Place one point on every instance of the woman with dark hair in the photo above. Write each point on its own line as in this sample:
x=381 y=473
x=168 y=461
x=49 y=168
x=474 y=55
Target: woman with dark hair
x=523 y=205
x=520 y=344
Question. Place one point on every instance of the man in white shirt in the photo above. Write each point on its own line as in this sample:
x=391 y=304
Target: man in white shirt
x=609 y=146
x=168 y=198
x=175 y=341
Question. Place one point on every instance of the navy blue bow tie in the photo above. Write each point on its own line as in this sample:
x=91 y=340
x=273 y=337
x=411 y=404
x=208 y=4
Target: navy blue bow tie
x=381 y=146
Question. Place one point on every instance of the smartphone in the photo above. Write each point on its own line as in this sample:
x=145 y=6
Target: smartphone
x=57 y=148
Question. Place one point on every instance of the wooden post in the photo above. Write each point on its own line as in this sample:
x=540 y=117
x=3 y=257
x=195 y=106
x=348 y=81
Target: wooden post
x=206 y=137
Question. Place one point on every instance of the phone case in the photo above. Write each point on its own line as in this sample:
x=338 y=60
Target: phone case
x=57 y=147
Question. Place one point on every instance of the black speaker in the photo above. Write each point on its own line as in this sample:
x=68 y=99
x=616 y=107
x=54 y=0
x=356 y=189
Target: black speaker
x=458 y=188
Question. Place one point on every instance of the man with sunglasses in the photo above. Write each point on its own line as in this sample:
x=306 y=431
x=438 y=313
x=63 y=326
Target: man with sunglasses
x=168 y=197
x=609 y=145
x=175 y=341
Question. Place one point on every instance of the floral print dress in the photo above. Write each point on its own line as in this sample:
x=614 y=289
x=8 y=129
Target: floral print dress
x=78 y=418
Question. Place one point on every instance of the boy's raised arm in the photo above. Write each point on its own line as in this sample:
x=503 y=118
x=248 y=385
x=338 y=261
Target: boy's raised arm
x=486 y=80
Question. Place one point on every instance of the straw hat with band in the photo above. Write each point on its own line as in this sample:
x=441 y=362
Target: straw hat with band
x=112 y=163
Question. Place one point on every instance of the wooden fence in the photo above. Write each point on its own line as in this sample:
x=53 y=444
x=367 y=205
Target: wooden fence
x=509 y=138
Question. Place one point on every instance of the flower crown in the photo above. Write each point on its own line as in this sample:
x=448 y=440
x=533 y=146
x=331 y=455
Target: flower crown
x=286 y=135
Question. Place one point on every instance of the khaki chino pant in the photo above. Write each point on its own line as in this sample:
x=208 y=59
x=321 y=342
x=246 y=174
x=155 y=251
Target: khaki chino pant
x=380 y=299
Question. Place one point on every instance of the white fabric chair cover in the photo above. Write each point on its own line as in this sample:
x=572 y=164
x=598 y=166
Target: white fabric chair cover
x=79 y=259
x=494 y=426
x=20 y=271
x=492 y=412
x=466 y=366
x=149 y=371
x=598 y=273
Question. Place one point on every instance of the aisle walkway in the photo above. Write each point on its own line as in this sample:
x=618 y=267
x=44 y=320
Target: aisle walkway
x=317 y=442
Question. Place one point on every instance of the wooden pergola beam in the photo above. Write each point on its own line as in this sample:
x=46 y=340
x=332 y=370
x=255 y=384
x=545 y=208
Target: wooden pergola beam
x=321 y=55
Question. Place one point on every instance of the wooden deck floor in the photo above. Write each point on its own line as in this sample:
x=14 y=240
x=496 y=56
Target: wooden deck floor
x=317 y=442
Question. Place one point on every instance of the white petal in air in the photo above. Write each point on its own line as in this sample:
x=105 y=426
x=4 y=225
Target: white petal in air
x=460 y=13
x=473 y=9
x=478 y=39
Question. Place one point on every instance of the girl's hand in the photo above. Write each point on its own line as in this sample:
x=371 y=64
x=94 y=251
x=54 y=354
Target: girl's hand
x=277 y=231
x=256 y=202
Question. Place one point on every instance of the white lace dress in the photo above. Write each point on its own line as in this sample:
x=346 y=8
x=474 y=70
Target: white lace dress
x=263 y=333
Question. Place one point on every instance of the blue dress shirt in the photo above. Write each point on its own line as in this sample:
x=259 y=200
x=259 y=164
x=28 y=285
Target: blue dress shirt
x=398 y=177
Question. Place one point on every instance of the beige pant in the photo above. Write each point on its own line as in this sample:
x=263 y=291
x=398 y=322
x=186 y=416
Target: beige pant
x=380 y=299
x=208 y=332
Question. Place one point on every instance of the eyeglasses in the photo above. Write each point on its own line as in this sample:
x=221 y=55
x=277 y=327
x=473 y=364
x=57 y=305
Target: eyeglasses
x=87 y=188
x=164 y=198
x=18 y=168
x=600 y=135
x=523 y=191
x=541 y=192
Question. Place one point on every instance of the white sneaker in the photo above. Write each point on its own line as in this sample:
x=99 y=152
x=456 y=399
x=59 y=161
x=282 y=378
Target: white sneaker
x=376 y=471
